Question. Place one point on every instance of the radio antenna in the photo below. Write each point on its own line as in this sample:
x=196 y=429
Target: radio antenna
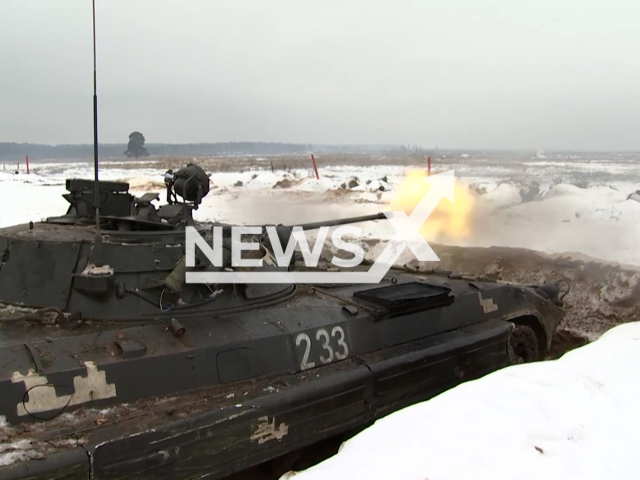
x=98 y=240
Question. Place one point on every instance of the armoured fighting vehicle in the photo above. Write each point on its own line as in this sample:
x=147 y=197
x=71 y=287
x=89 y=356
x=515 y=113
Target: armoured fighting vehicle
x=112 y=366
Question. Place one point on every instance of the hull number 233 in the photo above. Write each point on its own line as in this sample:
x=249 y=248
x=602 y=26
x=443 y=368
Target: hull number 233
x=330 y=347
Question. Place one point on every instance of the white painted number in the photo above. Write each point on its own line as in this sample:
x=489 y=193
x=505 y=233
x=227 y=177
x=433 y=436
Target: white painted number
x=341 y=343
x=305 y=359
x=326 y=346
x=328 y=355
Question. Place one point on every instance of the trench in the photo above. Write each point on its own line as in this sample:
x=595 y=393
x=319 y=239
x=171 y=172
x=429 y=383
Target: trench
x=564 y=341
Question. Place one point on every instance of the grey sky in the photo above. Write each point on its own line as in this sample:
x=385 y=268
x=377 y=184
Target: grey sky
x=454 y=73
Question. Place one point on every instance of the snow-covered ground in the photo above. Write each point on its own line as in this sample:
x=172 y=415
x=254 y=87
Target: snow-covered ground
x=554 y=205
x=572 y=418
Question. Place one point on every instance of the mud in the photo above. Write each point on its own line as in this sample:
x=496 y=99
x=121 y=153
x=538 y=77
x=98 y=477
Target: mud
x=287 y=183
x=564 y=341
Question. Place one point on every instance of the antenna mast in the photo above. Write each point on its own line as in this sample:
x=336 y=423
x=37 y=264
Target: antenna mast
x=98 y=240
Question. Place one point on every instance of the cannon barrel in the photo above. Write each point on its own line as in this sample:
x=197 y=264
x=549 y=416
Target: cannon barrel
x=342 y=221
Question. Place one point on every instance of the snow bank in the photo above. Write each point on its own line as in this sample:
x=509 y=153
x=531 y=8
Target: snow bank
x=315 y=185
x=597 y=221
x=503 y=196
x=576 y=417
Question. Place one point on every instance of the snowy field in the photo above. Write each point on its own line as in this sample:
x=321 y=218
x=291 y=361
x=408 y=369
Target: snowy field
x=572 y=418
x=560 y=204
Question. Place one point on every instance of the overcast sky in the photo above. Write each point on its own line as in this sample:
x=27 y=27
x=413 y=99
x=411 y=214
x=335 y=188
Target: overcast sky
x=553 y=74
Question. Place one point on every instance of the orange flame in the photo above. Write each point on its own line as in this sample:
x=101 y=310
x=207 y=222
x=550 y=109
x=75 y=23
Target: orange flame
x=449 y=220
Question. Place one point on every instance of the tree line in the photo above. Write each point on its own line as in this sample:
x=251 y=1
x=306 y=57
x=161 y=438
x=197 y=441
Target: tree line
x=17 y=151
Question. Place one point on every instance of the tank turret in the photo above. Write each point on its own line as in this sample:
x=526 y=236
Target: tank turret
x=121 y=211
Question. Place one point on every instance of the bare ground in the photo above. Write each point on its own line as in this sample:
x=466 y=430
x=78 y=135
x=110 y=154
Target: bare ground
x=278 y=162
x=602 y=295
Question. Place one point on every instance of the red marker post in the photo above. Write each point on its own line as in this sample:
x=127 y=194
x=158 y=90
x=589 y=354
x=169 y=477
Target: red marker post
x=27 y=160
x=315 y=167
x=429 y=167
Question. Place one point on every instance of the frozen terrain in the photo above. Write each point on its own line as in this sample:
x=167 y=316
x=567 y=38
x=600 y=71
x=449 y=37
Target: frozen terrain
x=561 y=205
x=572 y=216
x=572 y=418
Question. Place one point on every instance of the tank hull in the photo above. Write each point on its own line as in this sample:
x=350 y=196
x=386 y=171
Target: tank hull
x=211 y=435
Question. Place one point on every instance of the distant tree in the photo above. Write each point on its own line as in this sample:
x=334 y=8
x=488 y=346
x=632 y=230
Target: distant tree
x=135 y=148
